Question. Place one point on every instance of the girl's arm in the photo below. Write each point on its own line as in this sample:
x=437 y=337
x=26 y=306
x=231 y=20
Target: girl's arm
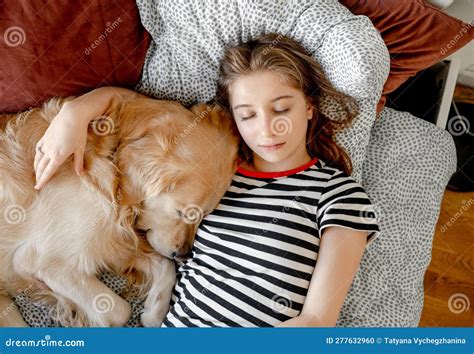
x=340 y=252
x=67 y=133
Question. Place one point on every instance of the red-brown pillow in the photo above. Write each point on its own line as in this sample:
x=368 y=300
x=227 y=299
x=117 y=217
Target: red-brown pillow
x=417 y=35
x=62 y=48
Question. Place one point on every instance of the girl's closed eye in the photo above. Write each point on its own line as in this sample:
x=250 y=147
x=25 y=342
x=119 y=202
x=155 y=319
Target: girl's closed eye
x=245 y=117
x=276 y=111
x=281 y=111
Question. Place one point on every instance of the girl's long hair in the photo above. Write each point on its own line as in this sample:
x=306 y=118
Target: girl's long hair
x=284 y=56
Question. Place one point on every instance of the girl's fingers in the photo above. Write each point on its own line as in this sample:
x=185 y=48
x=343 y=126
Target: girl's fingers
x=79 y=162
x=48 y=173
x=38 y=156
x=40 y=169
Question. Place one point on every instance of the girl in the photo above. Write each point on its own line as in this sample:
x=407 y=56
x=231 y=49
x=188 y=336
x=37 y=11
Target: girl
x=285 y=242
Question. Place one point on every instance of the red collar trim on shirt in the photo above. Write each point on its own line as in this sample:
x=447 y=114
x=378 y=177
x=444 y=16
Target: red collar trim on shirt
x=275 y=174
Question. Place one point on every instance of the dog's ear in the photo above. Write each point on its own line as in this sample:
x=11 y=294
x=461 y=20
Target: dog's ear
x=128 y=212
x=146 y=168
x=217 y=117
x=169 y=176
x=142 y=116
x=223 y=120
x=131 y=126
x=201 y=109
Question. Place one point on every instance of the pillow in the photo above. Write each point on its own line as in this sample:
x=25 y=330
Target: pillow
x=189 y=39
x=409 y=163
x=62 y=48
x=417 y=35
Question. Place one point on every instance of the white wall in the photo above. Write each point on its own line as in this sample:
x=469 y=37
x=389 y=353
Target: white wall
x=464 y=10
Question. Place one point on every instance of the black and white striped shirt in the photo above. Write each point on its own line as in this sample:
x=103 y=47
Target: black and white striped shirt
x=254 y=255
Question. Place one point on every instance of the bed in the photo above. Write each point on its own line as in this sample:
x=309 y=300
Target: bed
x=171 y=50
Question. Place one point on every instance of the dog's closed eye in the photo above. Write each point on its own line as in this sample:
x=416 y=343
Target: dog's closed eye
x=142 y=232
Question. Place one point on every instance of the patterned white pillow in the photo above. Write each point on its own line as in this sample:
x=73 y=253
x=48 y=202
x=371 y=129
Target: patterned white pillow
x=409 y=163
x=189 y=39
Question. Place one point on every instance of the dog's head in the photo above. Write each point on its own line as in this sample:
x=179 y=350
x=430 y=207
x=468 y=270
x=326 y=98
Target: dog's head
x=176 y=165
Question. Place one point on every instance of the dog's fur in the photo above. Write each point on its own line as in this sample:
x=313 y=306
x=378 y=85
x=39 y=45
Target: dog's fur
x=159 y=161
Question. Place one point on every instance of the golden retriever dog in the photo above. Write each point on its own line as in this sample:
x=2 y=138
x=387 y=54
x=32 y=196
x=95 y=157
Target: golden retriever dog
x=153 y=169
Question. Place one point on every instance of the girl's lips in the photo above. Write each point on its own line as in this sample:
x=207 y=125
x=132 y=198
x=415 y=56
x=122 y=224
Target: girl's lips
x=272 y=147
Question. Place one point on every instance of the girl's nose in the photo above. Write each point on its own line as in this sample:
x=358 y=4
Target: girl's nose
x=267 y=126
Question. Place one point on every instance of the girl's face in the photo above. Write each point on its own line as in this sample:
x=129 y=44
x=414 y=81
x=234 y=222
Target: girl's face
x=272 y=118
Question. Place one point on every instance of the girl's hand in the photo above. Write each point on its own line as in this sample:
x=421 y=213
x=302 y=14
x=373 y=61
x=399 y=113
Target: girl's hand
x=67 y=133
x=66 y=136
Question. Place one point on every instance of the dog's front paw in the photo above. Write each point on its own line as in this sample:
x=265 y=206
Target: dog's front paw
x=151 y=318
x=110 y=311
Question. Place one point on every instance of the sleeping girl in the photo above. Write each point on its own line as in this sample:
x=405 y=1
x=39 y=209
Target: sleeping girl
x=285 y=242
